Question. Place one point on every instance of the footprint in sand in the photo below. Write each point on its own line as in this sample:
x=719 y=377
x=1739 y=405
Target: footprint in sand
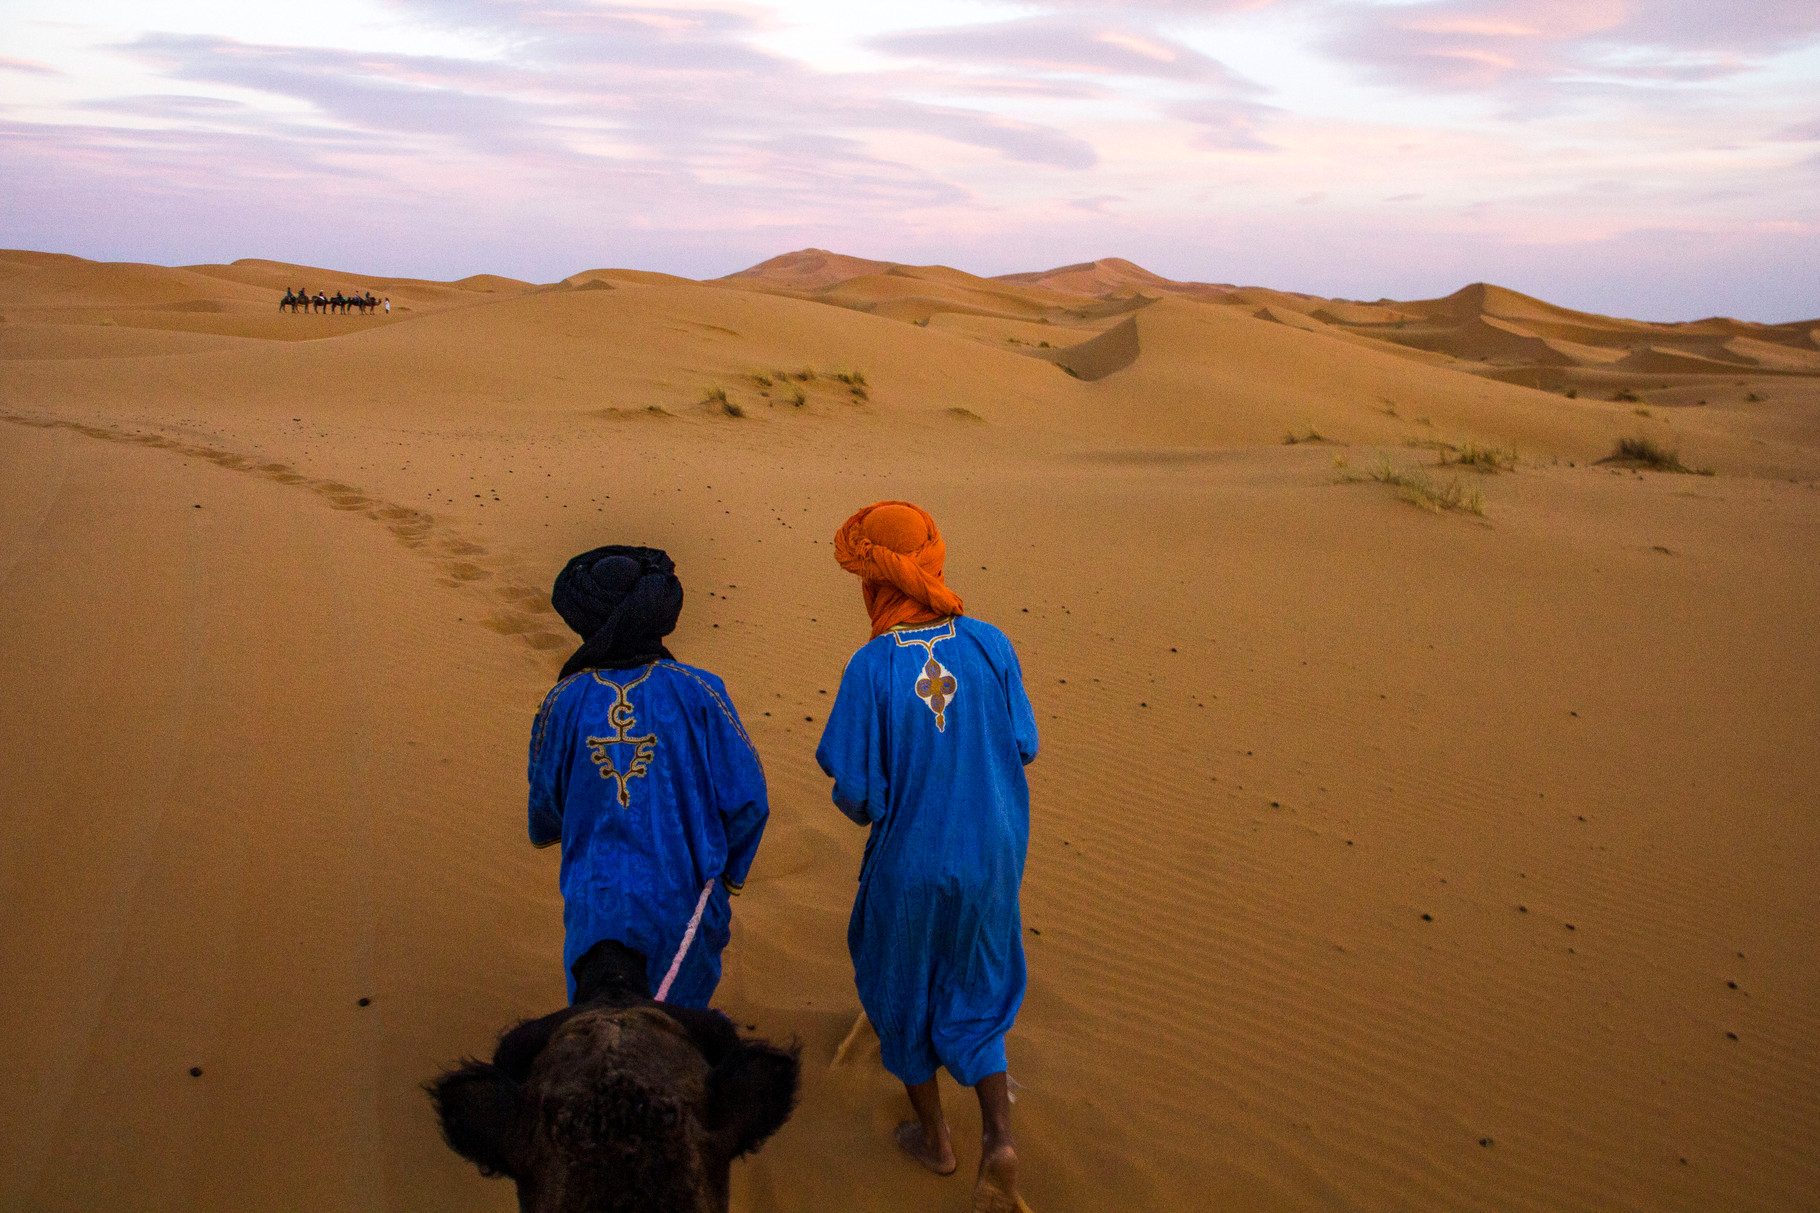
x=527 y=615
x=344 y=496
x=509 y=624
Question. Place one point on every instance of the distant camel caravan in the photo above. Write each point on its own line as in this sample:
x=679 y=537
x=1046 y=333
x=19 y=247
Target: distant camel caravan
x=300 y=301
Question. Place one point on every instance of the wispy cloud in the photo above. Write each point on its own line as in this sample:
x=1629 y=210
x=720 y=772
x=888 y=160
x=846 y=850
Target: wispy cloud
x=1064 y=46
x=1486 y=44
x=27 y=67
x=1800 y=132
x=1227 y=125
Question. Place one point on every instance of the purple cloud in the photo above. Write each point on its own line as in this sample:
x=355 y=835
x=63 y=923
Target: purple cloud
x=1229 y=126
x=1734 y=26
x=1800 y=132
x=1199 y=8
x=398 y=94
x=1061 y=46
x=1481 y=44
x=637 y=85
x=27 y=67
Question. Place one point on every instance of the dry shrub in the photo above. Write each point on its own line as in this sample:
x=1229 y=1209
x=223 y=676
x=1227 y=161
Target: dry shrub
x=1418 y=489
x=1485 y=458
x=1646 y=452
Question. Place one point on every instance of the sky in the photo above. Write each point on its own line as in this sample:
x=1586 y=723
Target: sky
x=1658 y=159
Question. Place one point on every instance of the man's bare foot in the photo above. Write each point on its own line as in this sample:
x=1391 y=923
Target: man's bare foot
x=996 y=1191
x=938 y=1158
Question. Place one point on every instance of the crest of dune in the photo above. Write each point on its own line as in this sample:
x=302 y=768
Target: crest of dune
x=807 y=270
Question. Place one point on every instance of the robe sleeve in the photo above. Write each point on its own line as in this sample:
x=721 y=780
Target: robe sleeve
x=552 y=742
x=739 y=787
x=1023 y=716
x=852 y=749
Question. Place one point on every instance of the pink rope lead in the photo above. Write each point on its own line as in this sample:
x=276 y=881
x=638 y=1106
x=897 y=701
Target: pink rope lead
x=701 y=906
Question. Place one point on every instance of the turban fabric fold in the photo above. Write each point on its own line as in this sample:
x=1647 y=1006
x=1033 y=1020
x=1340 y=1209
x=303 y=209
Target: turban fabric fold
x=622 y=601
x=896 y=551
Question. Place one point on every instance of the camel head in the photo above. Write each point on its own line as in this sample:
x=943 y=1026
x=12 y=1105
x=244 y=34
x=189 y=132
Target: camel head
x=605 y=1107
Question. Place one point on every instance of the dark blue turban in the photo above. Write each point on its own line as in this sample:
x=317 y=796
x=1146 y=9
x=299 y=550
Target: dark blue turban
x=622 y=601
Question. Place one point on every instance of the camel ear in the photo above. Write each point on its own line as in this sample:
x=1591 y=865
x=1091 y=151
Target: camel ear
x=751 y=1093
x=482 y=1117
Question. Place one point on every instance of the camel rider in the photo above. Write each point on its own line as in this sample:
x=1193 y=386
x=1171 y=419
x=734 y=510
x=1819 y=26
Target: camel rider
x=641 y=769
x=927 y=744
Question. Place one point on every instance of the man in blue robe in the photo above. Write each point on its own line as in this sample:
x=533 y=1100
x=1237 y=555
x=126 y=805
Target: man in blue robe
x=641 y=769
x=927 y=744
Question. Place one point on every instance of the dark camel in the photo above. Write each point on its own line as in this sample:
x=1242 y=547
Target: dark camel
x=618 y=1103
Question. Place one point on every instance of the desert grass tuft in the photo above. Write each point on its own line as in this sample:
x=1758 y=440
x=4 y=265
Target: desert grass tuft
x=1485 y=458
x=1626 y=396
x=1309 y=434
x=1646 y=452
x=797 y=398
x=761 y=379
x=731 y=409
x=855 y=381
x=715 y=395
x=1417 y=488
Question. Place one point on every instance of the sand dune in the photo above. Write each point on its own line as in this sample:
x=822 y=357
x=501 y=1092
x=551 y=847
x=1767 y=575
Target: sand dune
x=1381 y=858
x=808 y=270
x=1097 y=357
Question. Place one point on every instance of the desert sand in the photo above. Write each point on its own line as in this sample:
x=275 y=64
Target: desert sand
x=1381 y=858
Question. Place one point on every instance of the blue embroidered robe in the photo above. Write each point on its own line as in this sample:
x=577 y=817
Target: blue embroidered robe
x=927 y=743
x=649 y=781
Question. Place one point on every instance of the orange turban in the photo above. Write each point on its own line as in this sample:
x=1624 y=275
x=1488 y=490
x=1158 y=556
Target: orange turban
x=897 y=552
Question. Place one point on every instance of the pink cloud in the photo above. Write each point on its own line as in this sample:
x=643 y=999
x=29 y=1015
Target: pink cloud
x=28 y=67
x=1064 y=46
x=679 y=100
x=1482 y=44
